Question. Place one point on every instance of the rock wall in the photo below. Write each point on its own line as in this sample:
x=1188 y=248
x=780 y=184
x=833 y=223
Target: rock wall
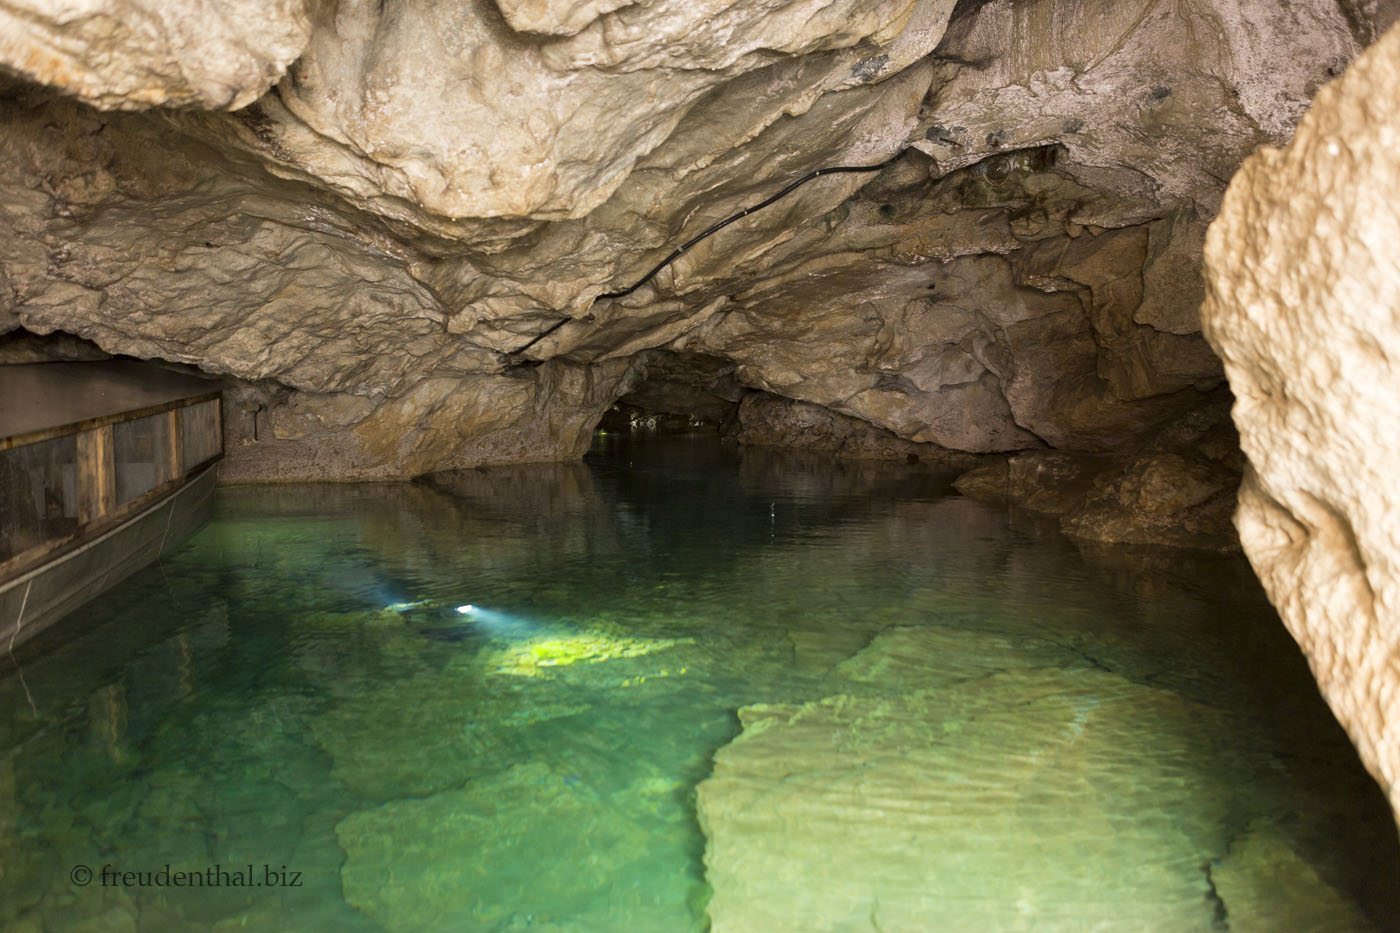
x=1304 y=309
x=382 y=220
x=1177 y=489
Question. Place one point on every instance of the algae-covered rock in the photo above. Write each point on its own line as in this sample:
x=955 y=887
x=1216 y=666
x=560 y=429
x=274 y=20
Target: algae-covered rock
x=530 y=658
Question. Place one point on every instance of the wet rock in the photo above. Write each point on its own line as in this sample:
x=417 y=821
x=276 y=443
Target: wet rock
x=1177 y=490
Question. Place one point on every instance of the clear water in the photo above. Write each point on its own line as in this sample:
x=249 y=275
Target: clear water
x=955 y=719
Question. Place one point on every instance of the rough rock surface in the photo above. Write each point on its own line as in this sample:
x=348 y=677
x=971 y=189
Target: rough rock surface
x=687 y=387
x=430 y=190
x=1177 y=489
x=133 y=54
x=546 y=412
x=773 y=421
x=1304 y=287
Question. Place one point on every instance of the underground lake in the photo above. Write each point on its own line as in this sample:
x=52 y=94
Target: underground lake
x=679 y=685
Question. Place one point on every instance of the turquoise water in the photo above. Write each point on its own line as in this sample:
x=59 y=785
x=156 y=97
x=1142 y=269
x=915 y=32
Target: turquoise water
x=692 y=683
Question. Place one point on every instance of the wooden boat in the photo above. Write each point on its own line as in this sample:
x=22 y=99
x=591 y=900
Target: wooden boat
x=104 y=467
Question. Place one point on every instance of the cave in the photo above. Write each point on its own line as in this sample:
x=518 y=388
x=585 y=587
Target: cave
x=661 y=465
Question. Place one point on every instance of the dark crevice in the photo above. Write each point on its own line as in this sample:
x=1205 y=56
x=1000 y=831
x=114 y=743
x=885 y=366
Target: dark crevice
x=1220 y=922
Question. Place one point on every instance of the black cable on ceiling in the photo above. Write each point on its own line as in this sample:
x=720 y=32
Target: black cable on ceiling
x=717 y=227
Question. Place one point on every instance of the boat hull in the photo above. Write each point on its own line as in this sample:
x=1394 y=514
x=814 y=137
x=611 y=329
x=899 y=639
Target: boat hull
x=34 y=601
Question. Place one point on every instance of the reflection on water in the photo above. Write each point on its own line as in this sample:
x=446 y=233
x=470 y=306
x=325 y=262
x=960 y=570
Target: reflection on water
x=510 y=699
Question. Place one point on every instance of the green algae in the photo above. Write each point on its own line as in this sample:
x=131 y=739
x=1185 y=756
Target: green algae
x=533 y=657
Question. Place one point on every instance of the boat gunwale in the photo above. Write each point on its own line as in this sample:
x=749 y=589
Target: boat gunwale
x=39 y=435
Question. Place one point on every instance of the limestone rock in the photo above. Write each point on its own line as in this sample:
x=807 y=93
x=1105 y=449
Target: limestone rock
x=687 y=386
x=1160 y=498
x=424 y=210
x=1050 y=482
x=134 y=54
x=21 y=347
x=772 y=421
x=1177 y=489
x=1303 y=287
x=1124 y=88
x=542 y=414
x=446 y=107
x=1001 y=340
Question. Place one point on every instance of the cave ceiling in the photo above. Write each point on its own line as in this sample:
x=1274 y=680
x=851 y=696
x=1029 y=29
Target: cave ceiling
x=389 y=224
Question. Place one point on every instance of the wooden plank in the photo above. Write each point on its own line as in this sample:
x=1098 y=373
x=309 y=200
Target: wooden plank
x=170 y=466
x=97 y=489
x=19 y=440
x=102 y=560
x=219 y=423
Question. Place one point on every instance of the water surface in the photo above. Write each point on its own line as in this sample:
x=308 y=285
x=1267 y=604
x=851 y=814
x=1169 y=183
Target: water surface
x=487 y=704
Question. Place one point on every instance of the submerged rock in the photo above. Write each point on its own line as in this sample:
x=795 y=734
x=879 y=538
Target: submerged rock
x=534 y=656
x=526 y=848
x=986 y=807
x=999 y=793
x=920 y=658
x=1265 y=885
